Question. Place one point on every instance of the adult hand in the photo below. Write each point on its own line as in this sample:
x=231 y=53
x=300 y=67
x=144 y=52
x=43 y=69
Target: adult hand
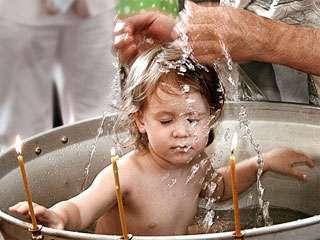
x=44 y=215
x=244 y=34
x=132 y=34
x=283 y=160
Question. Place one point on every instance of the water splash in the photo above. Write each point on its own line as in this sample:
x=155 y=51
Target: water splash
x=227 y=135
x=185 y=88
x=172 y=182
x=228 y=74
x=263 y=217
x=165 y=177
x=93 y=151
x=208 y=220
x=194 y=169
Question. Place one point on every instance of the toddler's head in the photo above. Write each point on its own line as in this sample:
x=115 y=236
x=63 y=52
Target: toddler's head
x=168 y=96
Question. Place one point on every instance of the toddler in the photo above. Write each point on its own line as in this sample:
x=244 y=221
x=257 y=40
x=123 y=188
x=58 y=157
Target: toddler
x=169 y=106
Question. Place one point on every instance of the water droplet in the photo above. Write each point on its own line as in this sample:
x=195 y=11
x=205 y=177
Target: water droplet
x=172 y=182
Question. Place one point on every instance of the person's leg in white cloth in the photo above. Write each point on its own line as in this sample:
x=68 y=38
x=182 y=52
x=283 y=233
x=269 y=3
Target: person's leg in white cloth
x=27 y=55
x=88 y=72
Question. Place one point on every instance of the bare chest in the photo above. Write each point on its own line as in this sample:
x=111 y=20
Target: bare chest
x=162 y=208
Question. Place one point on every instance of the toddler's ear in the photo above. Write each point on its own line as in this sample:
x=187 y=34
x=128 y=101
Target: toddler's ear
x=139 y=119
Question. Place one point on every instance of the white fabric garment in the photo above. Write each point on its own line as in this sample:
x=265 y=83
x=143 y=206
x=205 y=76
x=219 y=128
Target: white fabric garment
x=303 y=12
x=31 y=45
x=293 y=84
x=33 y=13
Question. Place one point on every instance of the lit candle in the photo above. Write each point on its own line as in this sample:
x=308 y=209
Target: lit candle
x=234 y=187
x=123 y=222
x=25 y=182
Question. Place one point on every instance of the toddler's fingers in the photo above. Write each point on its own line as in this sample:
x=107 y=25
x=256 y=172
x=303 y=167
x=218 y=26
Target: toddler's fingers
x=303 y=158
x=299 y=175
x=14 y=207
x=310 y=162
x=20 y=208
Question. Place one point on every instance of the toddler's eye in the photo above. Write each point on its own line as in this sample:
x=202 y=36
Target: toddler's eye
x=165 y=121
x=193 y=120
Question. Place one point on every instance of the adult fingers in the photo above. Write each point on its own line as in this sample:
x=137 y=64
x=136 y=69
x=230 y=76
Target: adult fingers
x=126 y=56
x=126 y=47
x=122 y=41
x=191 y=8
x=207 y=52
x=121 y=26
x=141 y=21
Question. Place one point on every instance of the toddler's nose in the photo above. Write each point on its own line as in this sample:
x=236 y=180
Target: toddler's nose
x=181 y=130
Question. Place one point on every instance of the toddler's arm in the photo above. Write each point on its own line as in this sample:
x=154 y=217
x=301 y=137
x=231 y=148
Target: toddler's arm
x=80 y=211
x=43 y=214
x=283 y=160
x=280 y=160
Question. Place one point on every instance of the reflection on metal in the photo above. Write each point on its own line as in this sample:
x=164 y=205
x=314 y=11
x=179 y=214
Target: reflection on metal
x=36 y=233
x=38 y=150
x=241 y=237
x=64 y=140
x=273 y=125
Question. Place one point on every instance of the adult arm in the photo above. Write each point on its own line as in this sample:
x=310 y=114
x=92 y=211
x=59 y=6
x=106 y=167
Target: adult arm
x=247 y=37
x=250 y=37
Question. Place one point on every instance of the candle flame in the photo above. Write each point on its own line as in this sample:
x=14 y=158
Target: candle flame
x=113 y=151
x=18 y=145
x=234 y=142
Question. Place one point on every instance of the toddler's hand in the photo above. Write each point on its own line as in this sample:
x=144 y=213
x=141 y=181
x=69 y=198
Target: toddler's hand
x=44 y=215
x=283 y=160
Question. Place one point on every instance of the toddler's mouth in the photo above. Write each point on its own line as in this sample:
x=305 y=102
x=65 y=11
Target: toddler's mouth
x=182 y=148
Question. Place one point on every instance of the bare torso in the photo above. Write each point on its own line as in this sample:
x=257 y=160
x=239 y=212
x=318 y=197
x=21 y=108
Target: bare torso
x=159 y=203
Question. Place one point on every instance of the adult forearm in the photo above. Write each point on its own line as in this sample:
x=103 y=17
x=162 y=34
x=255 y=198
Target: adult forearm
x=293 y=46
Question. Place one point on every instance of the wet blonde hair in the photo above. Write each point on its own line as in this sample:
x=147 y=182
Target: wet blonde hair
x=163 y=65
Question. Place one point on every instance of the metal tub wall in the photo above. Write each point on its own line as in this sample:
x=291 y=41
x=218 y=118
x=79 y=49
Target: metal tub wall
x=57 y=172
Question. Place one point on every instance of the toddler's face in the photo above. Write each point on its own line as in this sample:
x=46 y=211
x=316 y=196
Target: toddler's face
x=177 y=125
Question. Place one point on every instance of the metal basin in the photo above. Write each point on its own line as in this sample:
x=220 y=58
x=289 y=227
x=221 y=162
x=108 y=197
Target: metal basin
x=57 y=172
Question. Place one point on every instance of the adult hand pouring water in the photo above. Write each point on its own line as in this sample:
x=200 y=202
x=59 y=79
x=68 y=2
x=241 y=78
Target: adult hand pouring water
x=247 y=37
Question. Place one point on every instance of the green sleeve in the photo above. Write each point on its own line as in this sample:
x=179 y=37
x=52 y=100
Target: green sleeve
x=127 y=8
